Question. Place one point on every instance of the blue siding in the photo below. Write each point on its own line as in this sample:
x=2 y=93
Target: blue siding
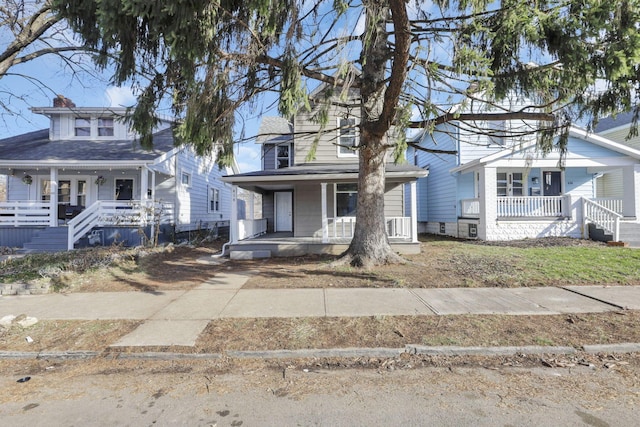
x=466 y=188
x=440 y=185
x=579 y=182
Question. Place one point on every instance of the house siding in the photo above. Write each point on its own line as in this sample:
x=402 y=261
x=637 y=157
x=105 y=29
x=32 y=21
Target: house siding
x=308 y=213
x=268 y=156
x=440 y=185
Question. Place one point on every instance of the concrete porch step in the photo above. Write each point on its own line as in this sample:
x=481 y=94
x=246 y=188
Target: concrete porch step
x=51 y=239
x=250 y=254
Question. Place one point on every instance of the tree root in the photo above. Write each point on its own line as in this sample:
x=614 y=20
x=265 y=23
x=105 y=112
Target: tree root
x=366 y=261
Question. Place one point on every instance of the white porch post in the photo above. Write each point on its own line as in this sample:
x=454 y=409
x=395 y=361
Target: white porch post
x=323 y=209
x=233 y=225
x=414 y=212
x=488 y=203
x=53 y=197
x=631 y=186
x=144 y=184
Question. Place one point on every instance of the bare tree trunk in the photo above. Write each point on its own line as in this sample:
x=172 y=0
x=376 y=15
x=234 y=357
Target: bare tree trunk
x=370 y=243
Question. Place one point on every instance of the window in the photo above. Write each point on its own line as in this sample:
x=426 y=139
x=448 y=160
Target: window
x=45 y=190
x=497 y=132
x=214 y=200
x=64 y=192
x=105 y=126
x=282 y=156
x=83 y=126
x=346 y=199
x=347 y=140
x=510 y=184
x=81 y=197
x=185 y=179
x=124 y=189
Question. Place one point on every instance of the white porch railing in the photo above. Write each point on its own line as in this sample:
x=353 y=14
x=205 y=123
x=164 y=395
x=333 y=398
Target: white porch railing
x=612 y=204
x=117 y=213
x=601 y=216
x=251 y=227
x=25 y=213
x=529 y=206
x=470 y=208
x=343 y=227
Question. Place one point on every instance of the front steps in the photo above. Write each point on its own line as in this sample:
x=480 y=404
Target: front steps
x=629 y=233
x=50 y=239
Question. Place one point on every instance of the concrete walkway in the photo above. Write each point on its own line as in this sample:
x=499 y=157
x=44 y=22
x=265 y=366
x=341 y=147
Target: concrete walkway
x=178 y=317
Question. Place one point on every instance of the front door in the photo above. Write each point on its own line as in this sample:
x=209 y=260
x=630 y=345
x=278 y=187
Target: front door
x=284 y=208
x=552 y=183
x=124 y=189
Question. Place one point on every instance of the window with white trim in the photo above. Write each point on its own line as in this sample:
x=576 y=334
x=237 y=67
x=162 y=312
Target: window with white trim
x=510 y=184
x=346 y=199
x=283 y=156
x=214 y=200
x=347 y=137
x=82 y=126
x=105 y=126
x=185 y=179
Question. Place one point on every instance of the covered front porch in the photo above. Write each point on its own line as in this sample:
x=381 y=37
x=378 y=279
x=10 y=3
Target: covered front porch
x=78 y=199
x=311 y=210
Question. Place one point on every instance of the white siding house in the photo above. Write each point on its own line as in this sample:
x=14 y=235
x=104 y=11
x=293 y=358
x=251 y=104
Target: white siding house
x=86 y=180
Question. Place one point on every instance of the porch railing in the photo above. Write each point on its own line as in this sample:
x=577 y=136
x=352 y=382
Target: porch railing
x=530 y=206
x=612 y=204
x=251 y=227
x=470 y=208
x=601 y=216
x=117 y=213
x=343 y=227
x=24 y=213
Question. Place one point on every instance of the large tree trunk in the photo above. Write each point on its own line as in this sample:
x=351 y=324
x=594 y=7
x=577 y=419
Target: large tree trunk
x=370 y=243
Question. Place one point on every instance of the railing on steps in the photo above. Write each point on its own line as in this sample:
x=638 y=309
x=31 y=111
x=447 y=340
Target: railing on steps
x=344 y=227
x=602 y=217
x=117 y=213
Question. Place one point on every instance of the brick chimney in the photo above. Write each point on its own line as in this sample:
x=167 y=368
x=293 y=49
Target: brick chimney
x=61 y=101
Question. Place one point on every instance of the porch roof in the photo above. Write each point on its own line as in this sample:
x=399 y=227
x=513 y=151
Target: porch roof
x=573 y=132
x=321 y=172
x=36 y=149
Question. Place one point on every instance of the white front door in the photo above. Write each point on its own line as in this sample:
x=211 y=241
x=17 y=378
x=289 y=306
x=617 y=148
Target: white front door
x=284 y=208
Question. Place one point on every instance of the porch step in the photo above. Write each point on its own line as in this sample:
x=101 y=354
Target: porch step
x=52 y=239
x=244 y=255
x=598 y=234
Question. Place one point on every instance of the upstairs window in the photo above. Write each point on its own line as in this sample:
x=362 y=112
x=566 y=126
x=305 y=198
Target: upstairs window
x=105 y=126
x=185 y=179
x=283 y=156
x=347 y=140
x=83 y=126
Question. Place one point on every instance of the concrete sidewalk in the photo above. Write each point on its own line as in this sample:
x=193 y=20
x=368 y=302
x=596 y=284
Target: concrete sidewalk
x=178 y=317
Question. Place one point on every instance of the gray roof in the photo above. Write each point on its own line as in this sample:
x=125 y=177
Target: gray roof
x=274 y=130
x=36 y=146
x=610 y=122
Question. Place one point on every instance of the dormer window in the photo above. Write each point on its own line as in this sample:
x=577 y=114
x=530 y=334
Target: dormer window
x=83 y=126
x=347 y=140
x=105 y=126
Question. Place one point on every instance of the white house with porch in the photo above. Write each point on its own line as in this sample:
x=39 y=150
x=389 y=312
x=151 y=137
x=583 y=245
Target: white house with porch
x=499 y=187
x=86 y=181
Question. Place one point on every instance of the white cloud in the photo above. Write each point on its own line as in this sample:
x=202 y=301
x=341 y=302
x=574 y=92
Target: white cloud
x=248 y=156
x=120 y=96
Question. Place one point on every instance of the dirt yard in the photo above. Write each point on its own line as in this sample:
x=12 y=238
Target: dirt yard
x=442 y=263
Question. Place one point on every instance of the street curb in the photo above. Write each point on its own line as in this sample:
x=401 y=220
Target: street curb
x=487 y=351
x=612 y=348
x=327 y=353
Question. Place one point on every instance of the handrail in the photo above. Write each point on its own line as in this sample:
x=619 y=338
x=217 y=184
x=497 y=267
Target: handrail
x=25 y=213
x=604 y=218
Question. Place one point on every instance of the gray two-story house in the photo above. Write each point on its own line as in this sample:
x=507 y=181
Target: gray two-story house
x=309 y=203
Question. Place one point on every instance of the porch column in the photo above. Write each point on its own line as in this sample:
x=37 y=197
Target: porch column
x=144 y=184
x=488 y=203
x=323 y=210
x=233 y=224
x=252 y=200
x=631 y=186
x=53 y=197
x=414 y=212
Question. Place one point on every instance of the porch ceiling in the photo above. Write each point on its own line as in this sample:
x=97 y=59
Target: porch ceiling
x=286 y=178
